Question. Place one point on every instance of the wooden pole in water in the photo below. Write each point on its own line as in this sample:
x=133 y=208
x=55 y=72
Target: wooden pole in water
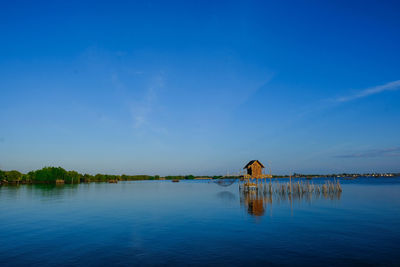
x=265 y=179
x=290 y=195
x=269 y=163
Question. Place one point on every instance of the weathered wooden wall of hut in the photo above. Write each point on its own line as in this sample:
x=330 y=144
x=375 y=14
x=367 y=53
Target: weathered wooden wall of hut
x=254 y=168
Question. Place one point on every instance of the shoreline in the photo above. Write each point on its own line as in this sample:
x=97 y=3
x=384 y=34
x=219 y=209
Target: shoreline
x=59 y=182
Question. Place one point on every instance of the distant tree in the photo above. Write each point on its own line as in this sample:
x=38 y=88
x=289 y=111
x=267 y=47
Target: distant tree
x=72 y=177
x=48 y=175
x=26 y=178
x=100 y=177
x=13 y=176
x=87 y=178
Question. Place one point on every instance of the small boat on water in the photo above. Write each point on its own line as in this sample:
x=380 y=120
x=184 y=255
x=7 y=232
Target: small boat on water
x=175 y=181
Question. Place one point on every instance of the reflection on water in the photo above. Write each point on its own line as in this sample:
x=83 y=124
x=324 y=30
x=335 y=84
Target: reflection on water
x=225 y=182
x=257 y=201
x=226 y=196
x=254 y=202
x=200 y=223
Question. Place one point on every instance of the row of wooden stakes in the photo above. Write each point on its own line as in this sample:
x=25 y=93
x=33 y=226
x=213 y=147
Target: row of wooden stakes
x=294 y=188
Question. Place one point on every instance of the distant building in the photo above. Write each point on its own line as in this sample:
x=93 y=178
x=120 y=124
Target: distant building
x=255 y=169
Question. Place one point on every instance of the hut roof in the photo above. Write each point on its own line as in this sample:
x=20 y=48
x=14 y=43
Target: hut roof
x=251 y=162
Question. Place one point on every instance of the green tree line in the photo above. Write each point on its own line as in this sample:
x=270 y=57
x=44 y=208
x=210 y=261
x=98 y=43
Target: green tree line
x=52 y=175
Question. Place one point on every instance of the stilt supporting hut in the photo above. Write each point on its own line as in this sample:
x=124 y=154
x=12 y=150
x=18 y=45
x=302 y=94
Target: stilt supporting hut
x=255 y=175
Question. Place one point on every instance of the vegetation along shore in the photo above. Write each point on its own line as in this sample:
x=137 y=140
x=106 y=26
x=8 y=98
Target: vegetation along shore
x=58 y=175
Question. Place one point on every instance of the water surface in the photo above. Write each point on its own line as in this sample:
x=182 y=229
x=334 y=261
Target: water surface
x=198 y=222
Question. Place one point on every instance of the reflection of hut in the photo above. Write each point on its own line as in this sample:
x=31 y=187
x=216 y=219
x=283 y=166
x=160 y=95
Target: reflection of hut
x=256 y=207
x=254 y=202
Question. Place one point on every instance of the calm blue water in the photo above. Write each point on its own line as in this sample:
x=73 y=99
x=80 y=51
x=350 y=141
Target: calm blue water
x=198 y=223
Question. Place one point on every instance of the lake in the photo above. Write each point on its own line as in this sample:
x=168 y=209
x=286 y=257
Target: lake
x=198 y=223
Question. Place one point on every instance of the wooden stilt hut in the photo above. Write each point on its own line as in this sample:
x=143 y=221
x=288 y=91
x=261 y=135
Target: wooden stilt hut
x=254 y=172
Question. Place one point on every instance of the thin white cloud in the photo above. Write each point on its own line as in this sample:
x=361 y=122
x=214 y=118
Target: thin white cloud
x=391 y=86
x=141 y=110
x=382 y=152
x=142 y=103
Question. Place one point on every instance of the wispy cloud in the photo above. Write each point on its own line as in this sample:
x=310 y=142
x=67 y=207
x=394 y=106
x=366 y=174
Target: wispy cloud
x=141 y=99
x=141 y=110
x=391 y=86
x=373 y=153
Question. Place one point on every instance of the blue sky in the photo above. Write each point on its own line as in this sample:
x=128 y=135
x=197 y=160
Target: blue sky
x=201 y=87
